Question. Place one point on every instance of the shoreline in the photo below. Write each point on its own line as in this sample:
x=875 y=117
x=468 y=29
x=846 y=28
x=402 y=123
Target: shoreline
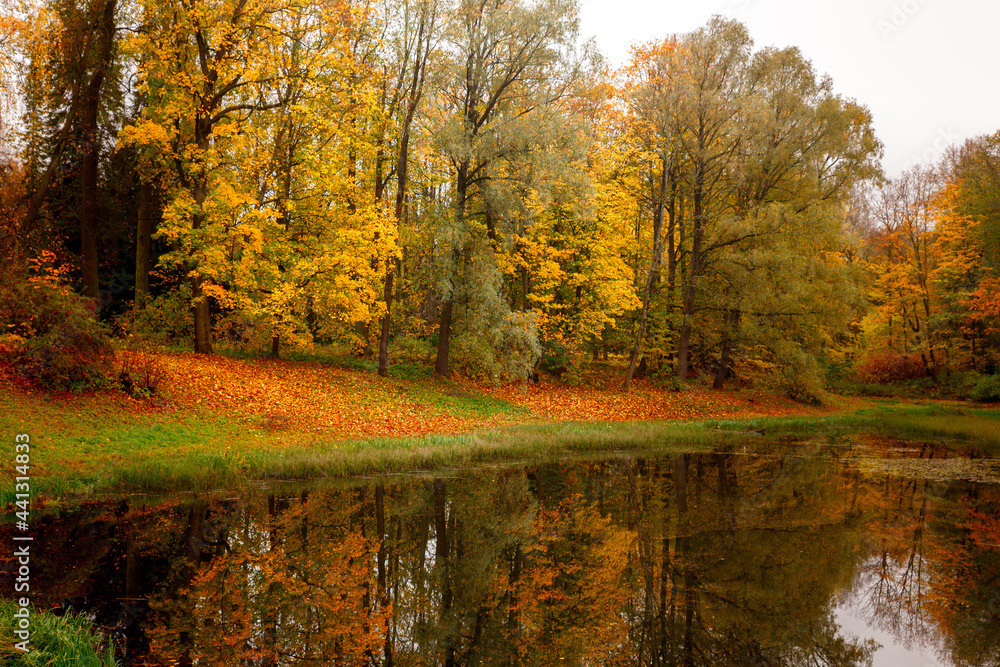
x=202 y=433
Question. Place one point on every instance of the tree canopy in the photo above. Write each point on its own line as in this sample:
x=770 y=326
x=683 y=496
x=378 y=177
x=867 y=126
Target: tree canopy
x=469 y=176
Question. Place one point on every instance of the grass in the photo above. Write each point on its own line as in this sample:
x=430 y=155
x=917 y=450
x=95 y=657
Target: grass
x=226 y=422
x=204 y=453
x=87 y=444
x=55 y=641
x=219 y=421
x=455 y=401
x=975 y=430
x=957 y=385
x=198 y=469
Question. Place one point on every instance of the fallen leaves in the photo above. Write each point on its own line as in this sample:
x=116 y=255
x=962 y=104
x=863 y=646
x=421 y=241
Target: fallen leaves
x=317 y=398
x=309 y=398
x=303 y=400
x=561 y=403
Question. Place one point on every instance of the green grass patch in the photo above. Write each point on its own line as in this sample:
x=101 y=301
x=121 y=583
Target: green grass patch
x=406 y=371
x=260 y=457
x=91 y=444
x=975 y=430
x=78 y=450
x=319 y=355
x=55 y=641
x=446 y=398
x=384 y=455
x=959 y=385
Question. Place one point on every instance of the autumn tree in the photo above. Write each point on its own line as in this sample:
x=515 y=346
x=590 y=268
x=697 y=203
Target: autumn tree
x=904 y=292
x=416 y=32
x=69 y=53
x=969 y=234
x=12 y=174
x=570 y=267
x=802 y=152
x=245 y=102
x=495 y=105
x=11 y=28
x=325 y=234
x=712 y=102
x=204 y=73
x=201 y=66
x=652 y=93
x=742 y=157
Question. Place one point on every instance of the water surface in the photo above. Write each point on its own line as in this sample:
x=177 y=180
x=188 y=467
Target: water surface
x=859 y=551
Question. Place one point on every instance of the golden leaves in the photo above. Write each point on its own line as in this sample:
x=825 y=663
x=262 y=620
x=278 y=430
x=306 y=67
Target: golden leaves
x=307 y=399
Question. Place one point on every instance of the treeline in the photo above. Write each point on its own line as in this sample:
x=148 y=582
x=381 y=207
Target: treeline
x=466 y=173
x=931 y=243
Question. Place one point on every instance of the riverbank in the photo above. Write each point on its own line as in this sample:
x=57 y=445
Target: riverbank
x=218 y=422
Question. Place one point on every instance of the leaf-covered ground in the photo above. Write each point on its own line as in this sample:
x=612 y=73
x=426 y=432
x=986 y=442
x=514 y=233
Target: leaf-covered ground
x=217 y=422
x=321 y=398
x=218 y=406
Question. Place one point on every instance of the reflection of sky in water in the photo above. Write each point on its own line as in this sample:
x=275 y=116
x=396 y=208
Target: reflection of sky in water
x=891 y=653
x=809 y=556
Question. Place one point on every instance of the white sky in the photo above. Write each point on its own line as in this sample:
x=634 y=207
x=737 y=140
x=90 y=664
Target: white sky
x=927 y=69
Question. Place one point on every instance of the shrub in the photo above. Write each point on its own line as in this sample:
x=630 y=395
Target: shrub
x=140 y=373
x=886 y=367
x=163 y=320
x=506 y=350
x=555 y=360
x=799 y=376
x=235 y=331
x=75 y=356
x=61 y=345
x=410 y=350
x=666 y=379
x=986 y=390
x=244 y=330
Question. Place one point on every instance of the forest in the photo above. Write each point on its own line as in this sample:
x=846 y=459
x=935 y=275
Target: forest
x=468 y=185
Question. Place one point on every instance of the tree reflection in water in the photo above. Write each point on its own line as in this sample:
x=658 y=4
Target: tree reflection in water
x=931 y=576
x=724 y=558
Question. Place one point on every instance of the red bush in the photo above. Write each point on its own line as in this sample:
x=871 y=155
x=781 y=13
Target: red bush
x=886 y=367
x=60 y=344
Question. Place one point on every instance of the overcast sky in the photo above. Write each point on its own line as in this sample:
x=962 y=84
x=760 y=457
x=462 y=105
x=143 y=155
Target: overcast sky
x=927 y=69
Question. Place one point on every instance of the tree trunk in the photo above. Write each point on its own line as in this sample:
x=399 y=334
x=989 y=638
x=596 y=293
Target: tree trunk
x=444 y=336
x=199 y=300
x=143 y=242
x=732 y=320
x=674 y=212
x=684 y=344
x=654 y=273
x=383 y=339
x=402 y=165
x=424 y=30
x=88 y=205
x=105 y=28
x=723 y=369
x=202 y=318
x=447 y=308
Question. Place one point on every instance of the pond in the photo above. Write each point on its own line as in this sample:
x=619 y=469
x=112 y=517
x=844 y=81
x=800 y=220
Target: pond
x=852 y=551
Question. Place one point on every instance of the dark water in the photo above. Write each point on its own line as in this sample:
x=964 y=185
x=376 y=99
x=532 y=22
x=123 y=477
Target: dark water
x=855 y=553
